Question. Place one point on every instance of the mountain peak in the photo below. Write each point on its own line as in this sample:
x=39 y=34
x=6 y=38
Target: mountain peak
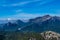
x=47 y=16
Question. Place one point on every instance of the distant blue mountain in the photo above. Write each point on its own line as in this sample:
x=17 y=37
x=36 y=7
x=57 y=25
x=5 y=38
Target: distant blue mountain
x=11 y=25
x=39 y=24
x=45 y=23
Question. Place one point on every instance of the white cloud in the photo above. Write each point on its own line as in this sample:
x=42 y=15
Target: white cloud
x=27 y=2
x=20 y=3
x=46 y=1
x=26 y=16
x=23 y=16
x=16 y=4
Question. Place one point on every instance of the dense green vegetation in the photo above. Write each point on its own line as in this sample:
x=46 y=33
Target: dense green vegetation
x=20 y=36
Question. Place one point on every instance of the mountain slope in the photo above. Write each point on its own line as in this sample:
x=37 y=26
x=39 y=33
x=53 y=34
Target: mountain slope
x=43 y=24
x=11 y=25
x=39 y=24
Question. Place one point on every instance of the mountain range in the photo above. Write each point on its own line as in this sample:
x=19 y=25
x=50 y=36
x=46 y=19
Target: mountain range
x=38 y=24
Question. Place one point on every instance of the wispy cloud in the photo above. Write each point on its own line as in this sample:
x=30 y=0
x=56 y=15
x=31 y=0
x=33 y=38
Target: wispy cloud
x=20 y=3
x=46 y=1
x=22 y=16
x=26 y=16
x=26 y=2
x=17 y=4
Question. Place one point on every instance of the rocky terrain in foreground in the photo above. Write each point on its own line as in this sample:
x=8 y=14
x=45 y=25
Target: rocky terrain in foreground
x=50 y=35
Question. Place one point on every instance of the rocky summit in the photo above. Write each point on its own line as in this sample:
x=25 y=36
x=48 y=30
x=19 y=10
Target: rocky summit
x=50 y=35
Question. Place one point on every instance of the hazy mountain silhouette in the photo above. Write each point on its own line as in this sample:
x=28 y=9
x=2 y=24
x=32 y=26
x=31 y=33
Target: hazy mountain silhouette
x=39 y=24
x=44 y=23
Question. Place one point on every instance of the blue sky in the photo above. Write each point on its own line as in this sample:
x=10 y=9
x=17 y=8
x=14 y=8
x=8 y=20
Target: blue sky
x=26 y=9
